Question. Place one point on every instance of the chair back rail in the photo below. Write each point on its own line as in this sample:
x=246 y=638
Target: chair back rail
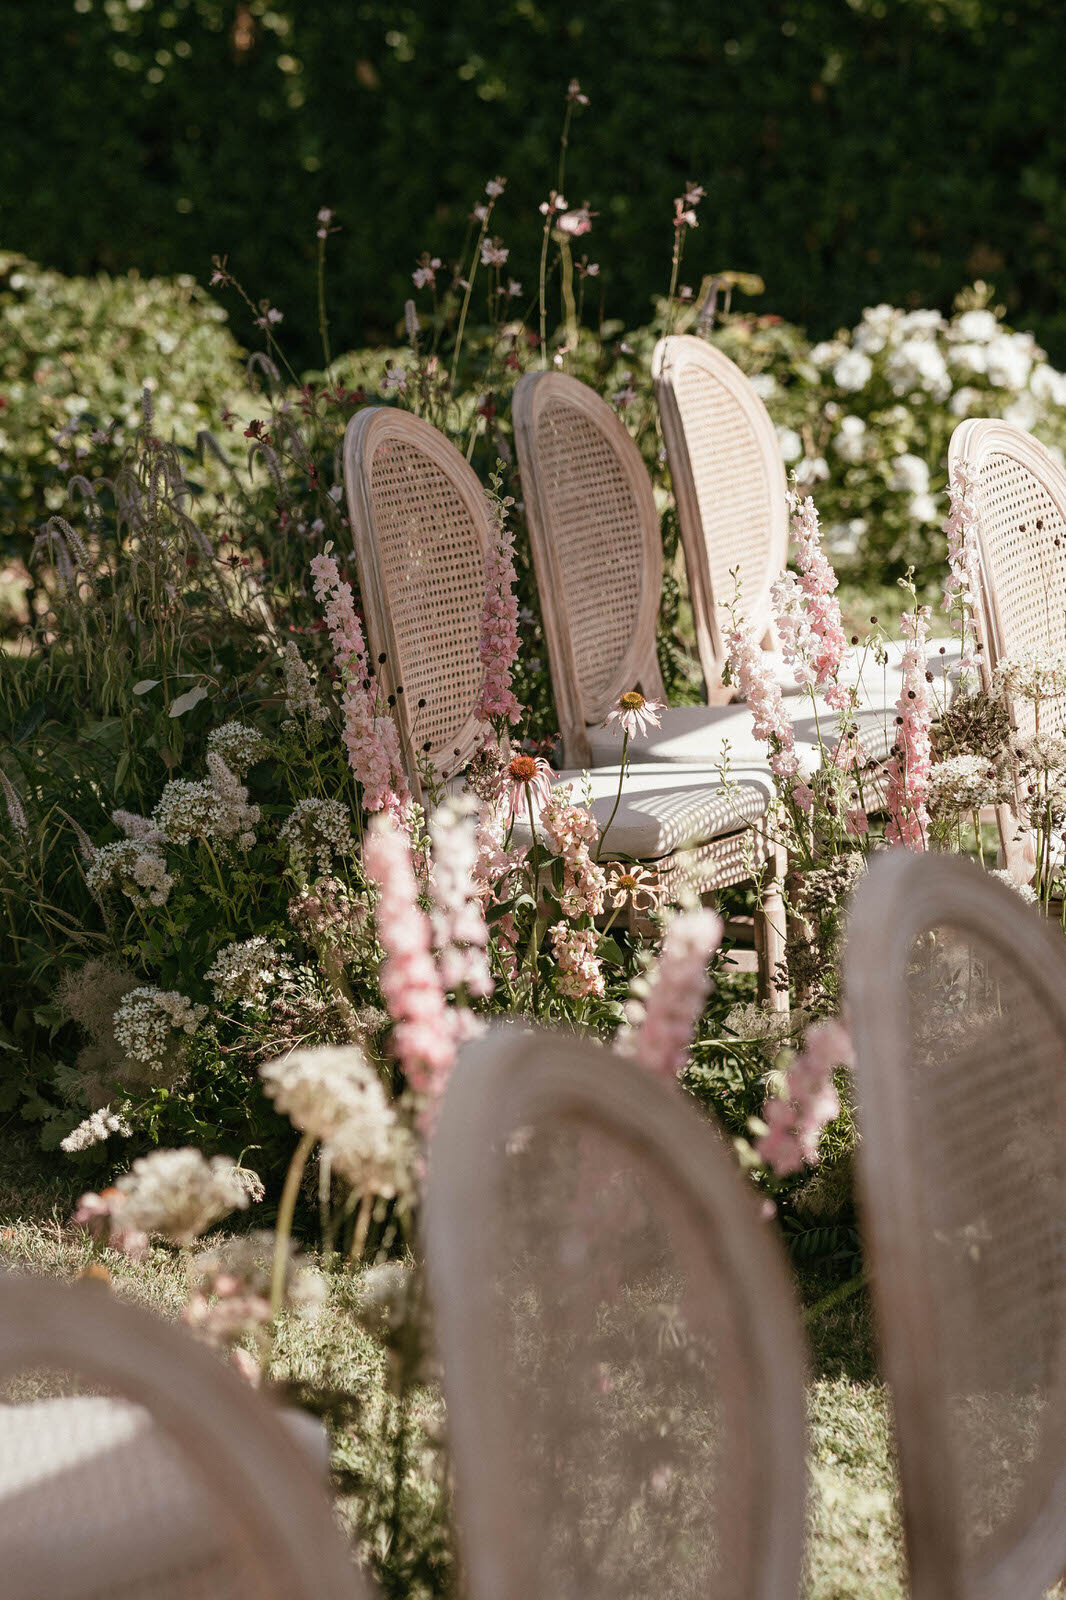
x=621 y=1348
x=729 y=485
x=597 y=551
x=956 y=994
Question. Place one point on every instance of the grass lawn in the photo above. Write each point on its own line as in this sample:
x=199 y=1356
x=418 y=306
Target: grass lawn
x=855 y=1545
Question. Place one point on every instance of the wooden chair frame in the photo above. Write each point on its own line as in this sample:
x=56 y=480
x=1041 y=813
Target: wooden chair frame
x=973 y=444
x=639 y=664
x=672 y=358
x=511 y=1080
x=269 y=1502
x=904 y=895
x=366 y=433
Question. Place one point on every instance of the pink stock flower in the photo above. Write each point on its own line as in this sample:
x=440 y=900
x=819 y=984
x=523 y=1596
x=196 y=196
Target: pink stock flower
x=795 y=1119
x=525 y=776
x=371 y=739
x=635 y=714
x=423 y=1033
x=580 y=974
x=964 y=563
x=572 y=831
x=817 y=584
x=912 y=757
x=680 y=984
x=498 y=648
x=771 y=722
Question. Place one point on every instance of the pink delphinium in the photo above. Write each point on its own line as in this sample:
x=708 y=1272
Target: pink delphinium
x=818 y=583
x=662 y=1025
x=424 y=1032
x=964 y=563
x=634 y=714
x=371 y=740
x=580 y=974
x=912 y=757
x=572 y=831
x=795 y=1119
x=749 y=670
x=499 y=620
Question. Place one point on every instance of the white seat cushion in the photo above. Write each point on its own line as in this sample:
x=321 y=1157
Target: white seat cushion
x=663 y=810
x=697 y=736
x=95 y=1501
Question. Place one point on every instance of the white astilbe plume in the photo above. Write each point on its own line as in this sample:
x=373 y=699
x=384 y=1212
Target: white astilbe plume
x=336 y=1096
x=663 y=1018
x=134 y=826
x=300 y=697
x=460 y=934
x=177 y=1194
x=95 y=1129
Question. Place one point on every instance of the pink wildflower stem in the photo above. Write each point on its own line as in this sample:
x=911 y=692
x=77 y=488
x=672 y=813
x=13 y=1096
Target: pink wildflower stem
x=499 y=620
x=908 y=774
x=679 y=988
x=423 y=1033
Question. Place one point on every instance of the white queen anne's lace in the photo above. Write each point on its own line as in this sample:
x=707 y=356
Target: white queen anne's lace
x=245 y=973
x=147 y=1020
x=336 y=1096
x=176 y=1194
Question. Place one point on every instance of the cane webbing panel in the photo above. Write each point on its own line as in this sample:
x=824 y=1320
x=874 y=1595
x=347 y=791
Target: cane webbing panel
x=433 y=573
x=732 y=488
x=987 y=1076
x=1023 y=550
x=628 y=1375
x=598 y=539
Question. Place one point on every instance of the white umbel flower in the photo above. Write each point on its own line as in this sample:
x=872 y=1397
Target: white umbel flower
x=336 y=1096
x=177 y=1194
x=245 y=973
x=147 y=1020
x=315 y=831
x=239 y=746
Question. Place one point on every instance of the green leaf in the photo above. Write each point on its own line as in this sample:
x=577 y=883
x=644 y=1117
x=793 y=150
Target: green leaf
x=609 y=951
x=186 y=702
x=146 y=684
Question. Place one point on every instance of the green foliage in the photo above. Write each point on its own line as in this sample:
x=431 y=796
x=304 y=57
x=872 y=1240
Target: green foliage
x=76 y=353
x=852 y=152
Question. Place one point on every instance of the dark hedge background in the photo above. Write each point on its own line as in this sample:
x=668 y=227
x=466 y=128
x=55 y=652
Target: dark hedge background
x=853 y=150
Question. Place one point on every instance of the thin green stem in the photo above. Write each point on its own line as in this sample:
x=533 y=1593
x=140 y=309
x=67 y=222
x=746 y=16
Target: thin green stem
x=618 y=796
x=283 y=1227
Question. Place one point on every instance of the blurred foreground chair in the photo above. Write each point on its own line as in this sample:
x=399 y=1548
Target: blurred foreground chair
x=597 y=550
x=729 y=484
x=956 y=994
x=189 y=1487
x=421 y=528
x=622 y=1357
x=1019 y=501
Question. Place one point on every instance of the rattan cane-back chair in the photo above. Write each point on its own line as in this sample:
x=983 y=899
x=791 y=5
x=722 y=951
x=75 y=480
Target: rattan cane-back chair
x=188 y=1487
x=594 y=532
x=729 y=485
x=620 y=1344
x=1019 y=498
x=420 y=557
x=956 y=992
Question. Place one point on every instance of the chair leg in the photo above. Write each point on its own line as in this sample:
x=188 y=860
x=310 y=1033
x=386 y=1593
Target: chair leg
x=770 y=929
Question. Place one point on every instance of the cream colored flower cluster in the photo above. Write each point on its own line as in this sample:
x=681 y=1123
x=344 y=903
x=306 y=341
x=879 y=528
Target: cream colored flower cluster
x=214 y=808
x=301 y=701
x=314 y=832
x=245 y=973
x=337 y=1097
x=95 y=1129
x=135 y=868
x=147 y=1020
x=177 y=1194
x=239 y=746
